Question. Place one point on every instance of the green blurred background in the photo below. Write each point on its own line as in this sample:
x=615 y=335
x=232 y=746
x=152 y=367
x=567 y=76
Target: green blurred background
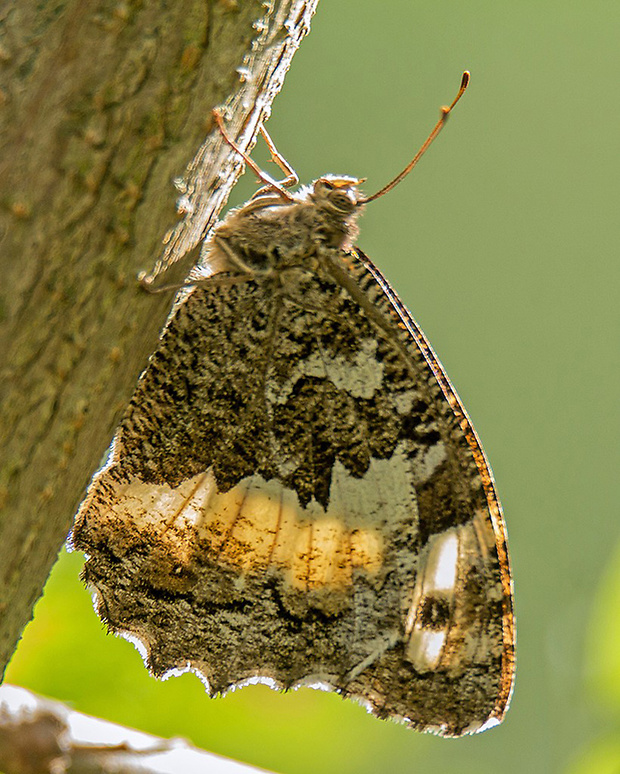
x=504 y=244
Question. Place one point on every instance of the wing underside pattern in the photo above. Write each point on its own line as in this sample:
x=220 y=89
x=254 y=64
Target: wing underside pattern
x=302 y=499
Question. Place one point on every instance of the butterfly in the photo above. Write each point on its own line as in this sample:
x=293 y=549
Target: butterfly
x=295 y=494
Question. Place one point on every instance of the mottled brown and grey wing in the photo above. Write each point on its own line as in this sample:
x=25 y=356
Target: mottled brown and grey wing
x=460 y=627
x=295 y=494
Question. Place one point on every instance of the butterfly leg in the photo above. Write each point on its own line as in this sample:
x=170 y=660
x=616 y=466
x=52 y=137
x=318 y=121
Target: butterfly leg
x=233 y=270
x=220 y=280
x=271 y=184
x=292 y=178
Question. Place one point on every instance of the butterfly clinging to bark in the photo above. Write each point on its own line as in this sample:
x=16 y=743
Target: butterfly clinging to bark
x=295 y=494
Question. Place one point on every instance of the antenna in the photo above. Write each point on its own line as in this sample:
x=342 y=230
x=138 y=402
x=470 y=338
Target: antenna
x=445 y=112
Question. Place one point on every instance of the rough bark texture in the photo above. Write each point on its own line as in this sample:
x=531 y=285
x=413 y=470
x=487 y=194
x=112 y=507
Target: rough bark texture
x=101 y=107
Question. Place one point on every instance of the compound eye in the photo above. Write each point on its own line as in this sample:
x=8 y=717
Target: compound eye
x=327 y=185
x=341 y=201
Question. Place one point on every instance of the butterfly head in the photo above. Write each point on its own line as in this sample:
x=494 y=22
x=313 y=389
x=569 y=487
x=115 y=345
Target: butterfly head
x=337 y=193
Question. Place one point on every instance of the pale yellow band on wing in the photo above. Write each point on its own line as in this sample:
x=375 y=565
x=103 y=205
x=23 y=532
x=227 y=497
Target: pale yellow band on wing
x=254 y=526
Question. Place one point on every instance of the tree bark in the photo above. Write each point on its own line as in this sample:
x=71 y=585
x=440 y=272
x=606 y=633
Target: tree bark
x=101 y=106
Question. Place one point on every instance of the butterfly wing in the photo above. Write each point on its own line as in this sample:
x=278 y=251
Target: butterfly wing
x=296 y=495
x=459 y=629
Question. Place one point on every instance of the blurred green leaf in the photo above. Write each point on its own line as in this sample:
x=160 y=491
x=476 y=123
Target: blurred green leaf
x=603 y=645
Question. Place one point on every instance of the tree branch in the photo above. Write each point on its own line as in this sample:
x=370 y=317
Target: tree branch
x=101 y=105
x=39 y=736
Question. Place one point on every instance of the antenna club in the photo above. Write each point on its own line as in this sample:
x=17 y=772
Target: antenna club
x=443 y=117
